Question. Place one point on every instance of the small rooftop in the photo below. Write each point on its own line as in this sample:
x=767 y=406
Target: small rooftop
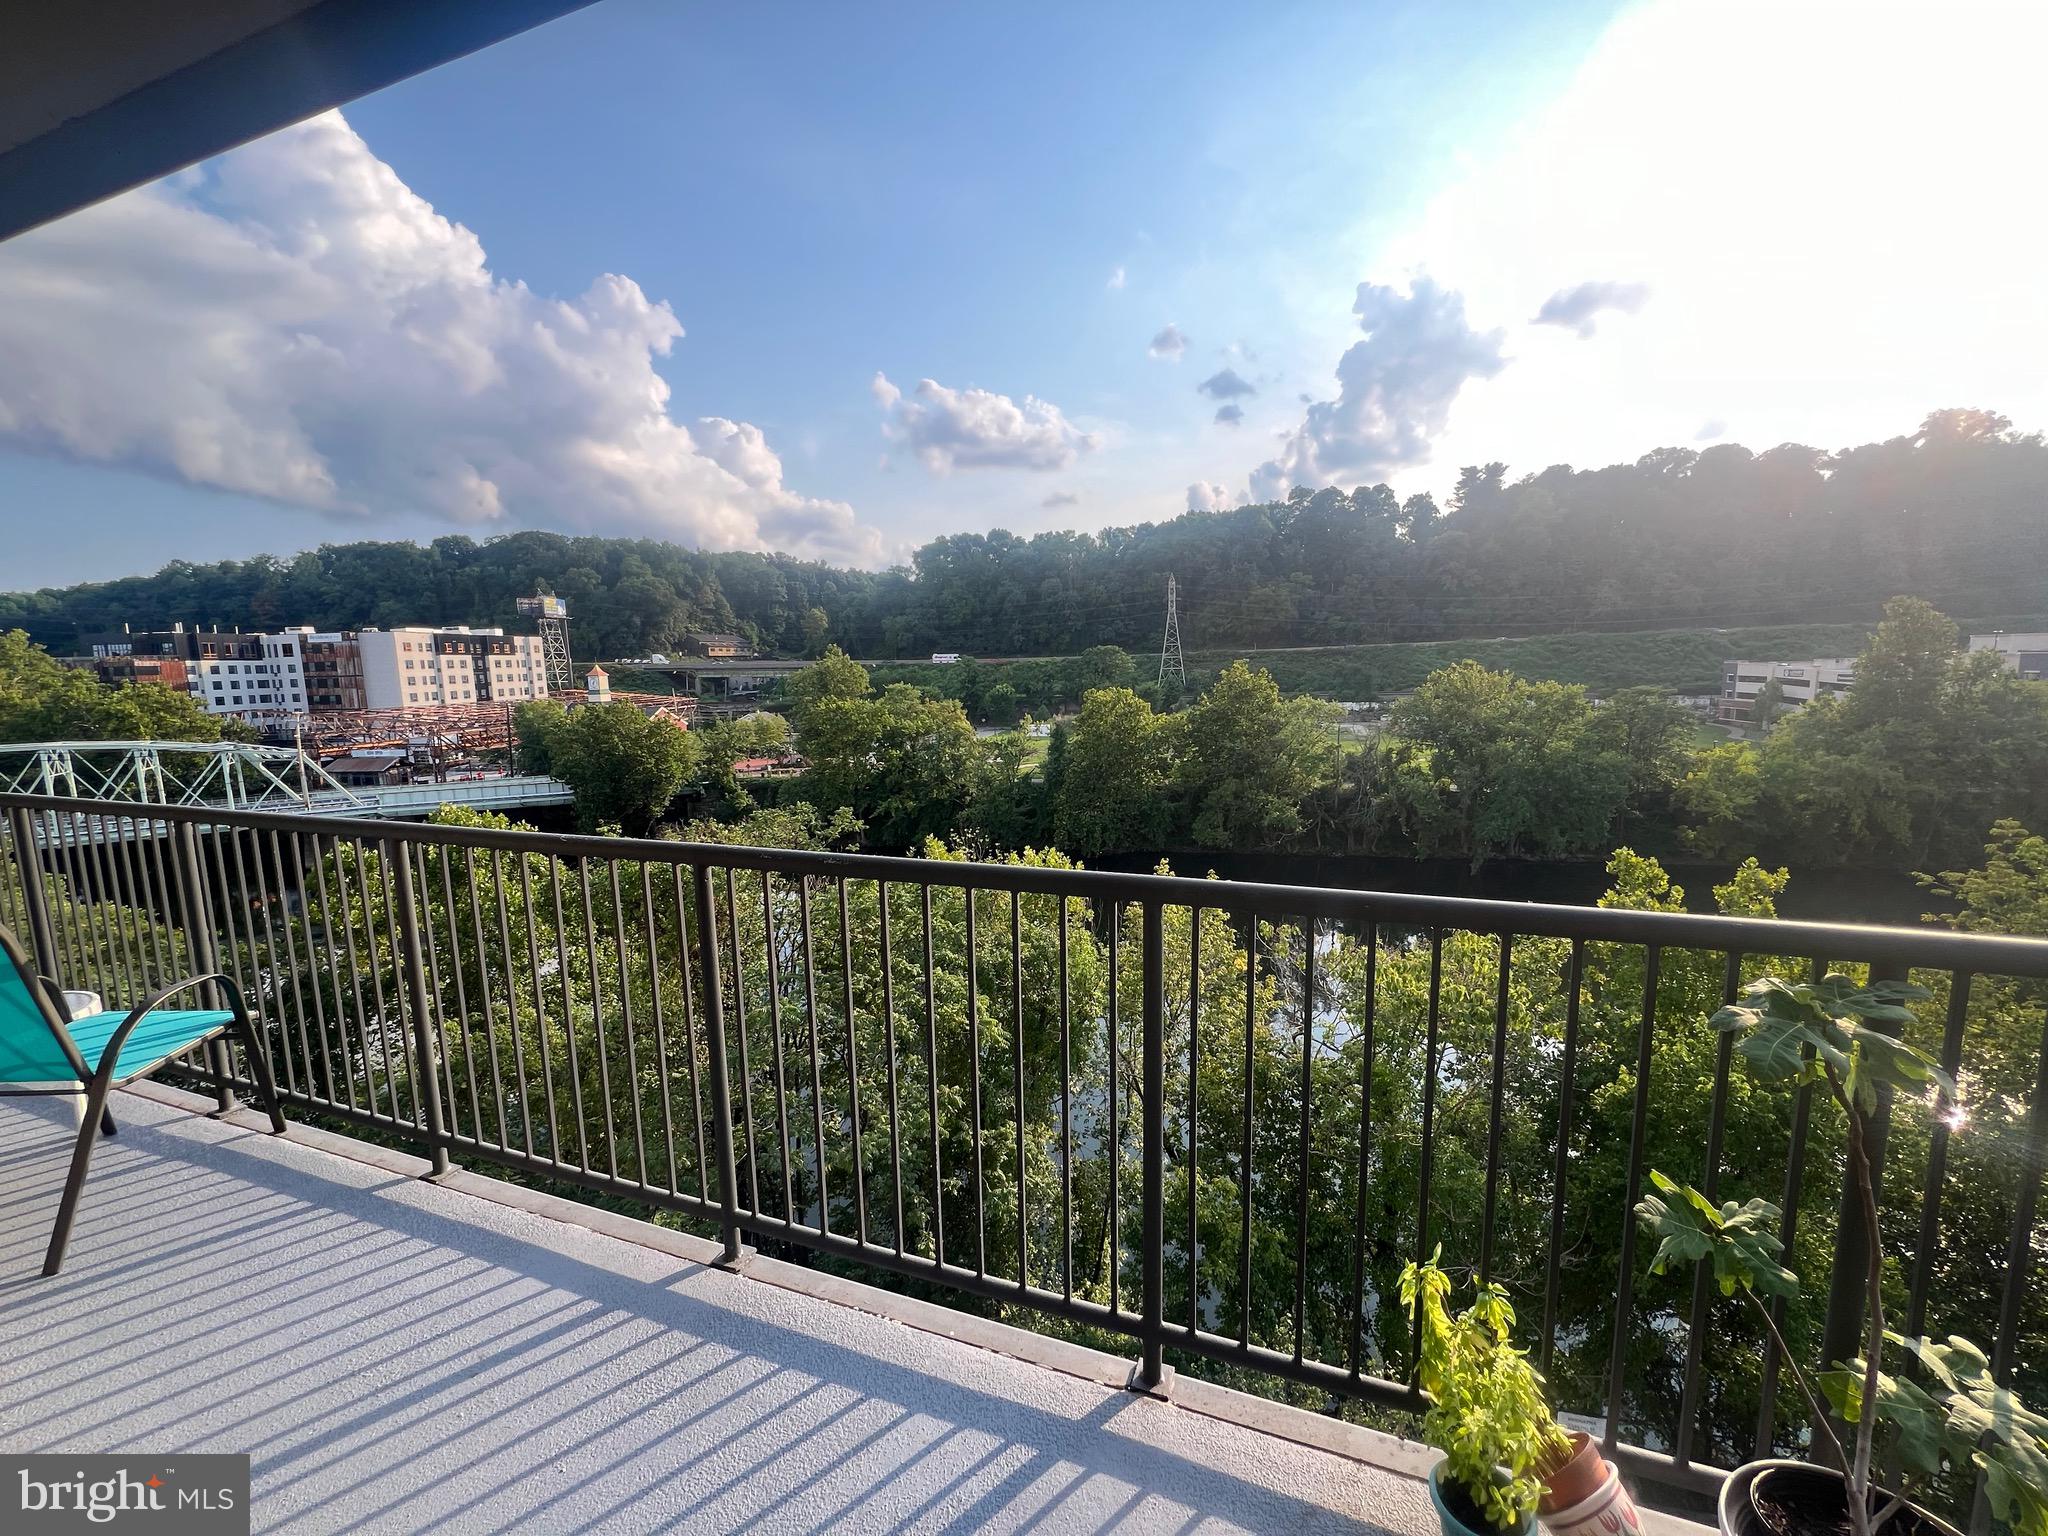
x=399 y=1355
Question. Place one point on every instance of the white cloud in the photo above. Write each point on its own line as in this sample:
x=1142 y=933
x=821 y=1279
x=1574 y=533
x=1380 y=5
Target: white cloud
x=1831 y=261
x=1169 y=344
x=295 y=323
x=1395 y=389
x=1580 y=306
x=1116 y=279
x=951 y=429
x=1061 y=499
x=1208 y=496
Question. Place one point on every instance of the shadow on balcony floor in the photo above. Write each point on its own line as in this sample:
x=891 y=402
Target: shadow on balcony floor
x=402 y=1357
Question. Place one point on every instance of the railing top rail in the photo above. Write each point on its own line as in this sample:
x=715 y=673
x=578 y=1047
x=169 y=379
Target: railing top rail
x=1980 y=954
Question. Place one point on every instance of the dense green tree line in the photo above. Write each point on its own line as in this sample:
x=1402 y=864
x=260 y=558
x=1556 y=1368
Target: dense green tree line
x=1721 y=536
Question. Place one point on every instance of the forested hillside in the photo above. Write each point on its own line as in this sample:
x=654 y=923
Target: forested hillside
x=1957 y=512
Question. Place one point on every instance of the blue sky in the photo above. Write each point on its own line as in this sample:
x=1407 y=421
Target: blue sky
x=298 y=344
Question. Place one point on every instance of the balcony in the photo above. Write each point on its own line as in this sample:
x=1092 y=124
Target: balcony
x=1103 y=1130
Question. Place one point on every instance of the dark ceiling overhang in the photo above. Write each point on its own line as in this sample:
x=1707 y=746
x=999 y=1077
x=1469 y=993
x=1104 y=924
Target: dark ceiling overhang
x=97 y=96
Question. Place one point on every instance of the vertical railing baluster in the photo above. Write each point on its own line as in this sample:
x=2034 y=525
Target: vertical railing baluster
x=889 y=1052
x=436 y=988
x=860 y=1178
x=506 y=953
x=620 y=947
x=1152 y=1199
x=715 y=1064
x=1617 y=1359
x=1427 y=1170
x=668 y=1124
x=604 y=1062
x=1066 y=1112
x=34 y=893
x=739 y=1019
x=1194 y=1236
x=772 y=946
x=974 y=1083
x=1244 y=1156
x=1017 y=1071
x=483 y=981
x=1567 y=1084
x=540 y=1007
x=1497 y=1095
x=1308 y=1098
x=1115 y=1143
x=1937 y=1158
x=803 y=902
x=426 y=1056
x=1355 y=1311
x=569 y=1050
x=1696 y=1319
x=451 y=1108
x=931 y=1047
x=689 y=987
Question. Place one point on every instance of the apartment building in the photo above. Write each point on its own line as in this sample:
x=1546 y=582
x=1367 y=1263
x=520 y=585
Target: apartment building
x=1799 y=683
x=419 y=667
x=2026 y=654
x=249 y=676
x=334 y=670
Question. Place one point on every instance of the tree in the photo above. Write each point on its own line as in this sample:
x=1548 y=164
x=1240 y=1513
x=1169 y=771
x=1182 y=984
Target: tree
x=1112 y=790
x=536 y=726
x=1249 y=758
x=624 y=766
x=1651 y=733
x=41 y=699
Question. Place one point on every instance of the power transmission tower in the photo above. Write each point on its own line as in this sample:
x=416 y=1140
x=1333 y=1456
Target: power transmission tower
x=553 y=616
x=1170 y=663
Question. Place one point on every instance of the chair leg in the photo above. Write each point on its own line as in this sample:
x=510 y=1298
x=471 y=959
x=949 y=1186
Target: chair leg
x=74 y=1184
x=260 y=1065
x=107 y=1126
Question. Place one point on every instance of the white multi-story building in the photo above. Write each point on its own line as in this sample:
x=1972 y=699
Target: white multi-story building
x=258 y=678
x=2025 y=654
x=417 y=667
x=1799 y=684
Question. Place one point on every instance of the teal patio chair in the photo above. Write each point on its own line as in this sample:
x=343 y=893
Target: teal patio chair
x=97 y=1054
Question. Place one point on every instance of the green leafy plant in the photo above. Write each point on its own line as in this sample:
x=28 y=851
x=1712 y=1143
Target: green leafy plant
x=1487 y=1412
x=1843 y=1034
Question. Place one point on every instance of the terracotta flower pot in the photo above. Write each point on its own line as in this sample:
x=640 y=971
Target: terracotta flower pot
x=1606 y=1511
x=1575 y=1479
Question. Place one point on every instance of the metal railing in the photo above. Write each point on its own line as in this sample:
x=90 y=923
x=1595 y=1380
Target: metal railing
x=1213 y=1117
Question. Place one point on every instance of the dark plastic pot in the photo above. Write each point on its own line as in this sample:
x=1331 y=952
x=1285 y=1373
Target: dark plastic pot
x=1802 y=1482
x=1454 y=1525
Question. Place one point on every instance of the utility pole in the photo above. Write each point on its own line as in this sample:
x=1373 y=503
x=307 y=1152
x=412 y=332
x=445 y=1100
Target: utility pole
x=1170 y=663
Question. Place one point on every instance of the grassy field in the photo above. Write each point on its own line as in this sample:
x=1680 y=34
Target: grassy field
x=1684 y=660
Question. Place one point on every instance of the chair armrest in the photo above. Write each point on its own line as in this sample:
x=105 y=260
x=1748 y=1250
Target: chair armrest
x=111 y=1051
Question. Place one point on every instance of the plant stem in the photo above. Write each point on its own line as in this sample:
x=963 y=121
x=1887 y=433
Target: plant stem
x=1821 y=1426
x=1873 y=1338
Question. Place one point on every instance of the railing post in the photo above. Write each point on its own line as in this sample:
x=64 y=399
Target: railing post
x=426 y=1065
x=29 y=860
x=721 y=1078
x=1153 y=1182
x=203 y=952
x=1849 y=1278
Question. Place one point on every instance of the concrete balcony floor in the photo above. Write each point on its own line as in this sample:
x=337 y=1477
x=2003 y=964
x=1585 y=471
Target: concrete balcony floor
x=404 y=1356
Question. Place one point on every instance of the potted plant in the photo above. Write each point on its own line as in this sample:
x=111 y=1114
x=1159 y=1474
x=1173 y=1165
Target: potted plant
x=1839 y=1033
x=1505 y=1456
